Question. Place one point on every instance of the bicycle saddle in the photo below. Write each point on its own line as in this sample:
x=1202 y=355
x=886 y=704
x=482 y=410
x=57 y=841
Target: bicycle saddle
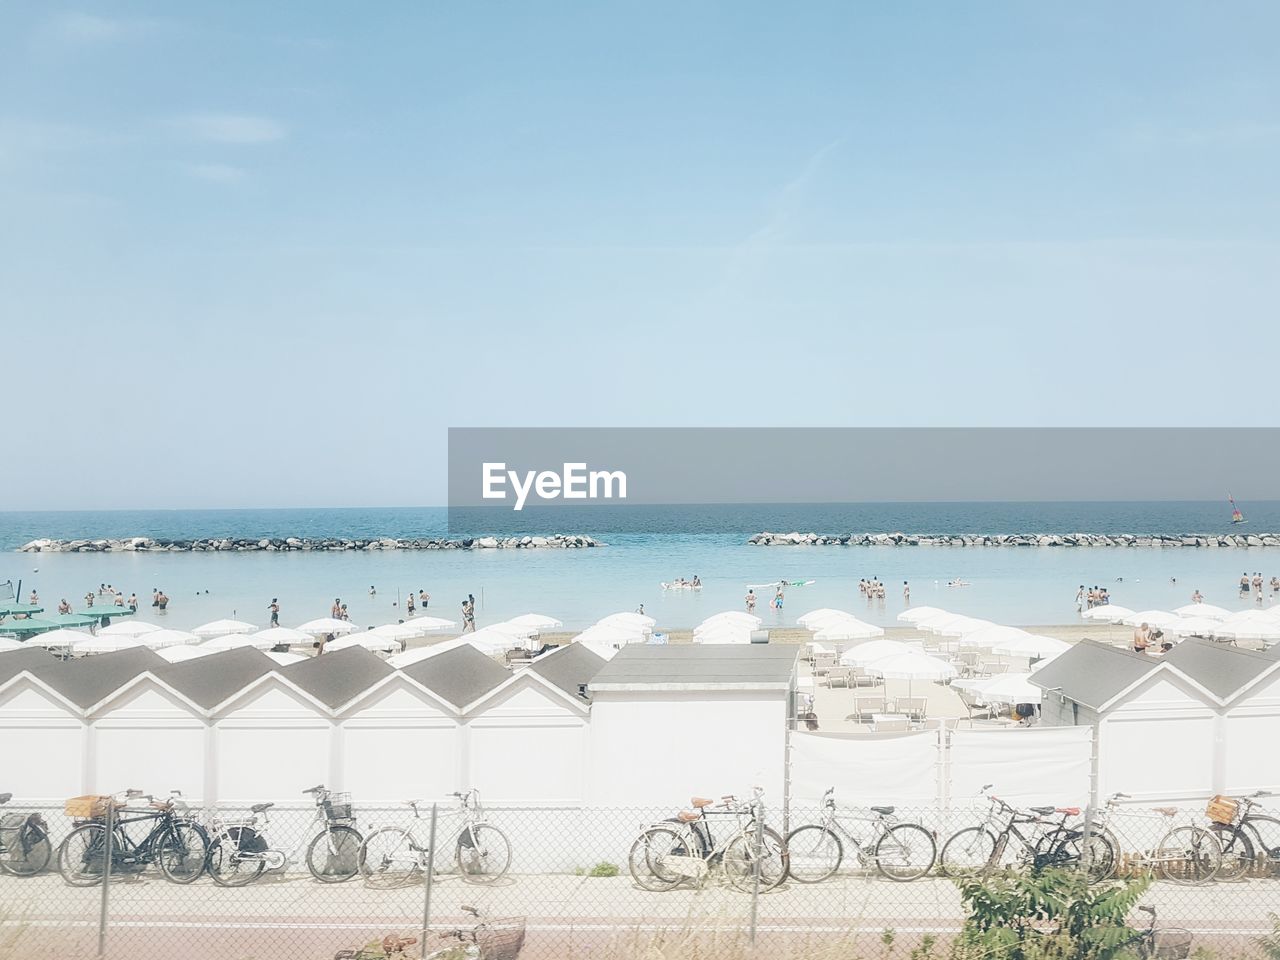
x=883 y=811
x=259 y=807
x=1042 y=811
x=392 y=943
x=161 y=804
x=699 y=802
x=5 y=797
x=688 y=816
x=1166 y=811
x=1069 y=811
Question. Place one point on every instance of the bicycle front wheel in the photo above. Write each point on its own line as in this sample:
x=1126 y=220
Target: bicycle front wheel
x=815 y=853
x=82 y=854
x=183 y=852
x=26 y=850
x=1188 y=855
x=741 y=860
x=483 y=854
x=388 y=858
x=333 y=856
x=230 y=866
x=906 y=852
x=968 y=851
x=1237 y=854
x=650 y=856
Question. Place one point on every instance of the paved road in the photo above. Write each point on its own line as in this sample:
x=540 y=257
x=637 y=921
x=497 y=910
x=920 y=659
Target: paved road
x=298 y=918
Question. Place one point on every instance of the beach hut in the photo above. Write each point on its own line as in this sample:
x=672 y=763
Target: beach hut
x=37 y=723
x=528 y=737
x=727 y=703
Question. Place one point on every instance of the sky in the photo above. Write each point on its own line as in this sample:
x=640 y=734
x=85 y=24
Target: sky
x=266 y=254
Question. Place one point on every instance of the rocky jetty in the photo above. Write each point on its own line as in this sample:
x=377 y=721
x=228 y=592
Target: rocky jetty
x=304 y=544
x=1213 y=540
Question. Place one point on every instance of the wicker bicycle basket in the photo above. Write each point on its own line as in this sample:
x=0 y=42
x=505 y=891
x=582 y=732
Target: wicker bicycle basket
x=501 y=939
x=1222 y=810
x=87 y=807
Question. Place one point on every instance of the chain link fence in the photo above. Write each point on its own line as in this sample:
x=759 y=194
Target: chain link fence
x=572 y=875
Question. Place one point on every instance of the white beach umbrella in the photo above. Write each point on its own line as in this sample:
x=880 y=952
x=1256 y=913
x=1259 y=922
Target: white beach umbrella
x=814 y=618
x=953 y=625
x=911 y=665
x=234 y=641
x=851 y=629
x=1155 y=619
x=916 y=614
x=184 y=653
x=493 y=640
x=1006 y=688
x=1249 y=625
x=400 y=632
x=535 y=622
x=8 y=645
x=865 y=653
x=990 y=635
x=221 y=628
x=284 y=659
x=725 y=633
x=1203 y=610
x=599 y=648
x=369 y=639
x=1107 y=613
x=643 y=621
x=283 y=635
x=729 y=616
x=157 y=639
x=425 y=625
x=56 y=639
x=325 y=625
x=127 y=628
x=101 y=644
x=611 y=634
x=1032 y=646
x=1194 y=627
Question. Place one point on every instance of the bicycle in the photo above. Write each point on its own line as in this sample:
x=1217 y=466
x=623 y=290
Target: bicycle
x=175 y=842
x=240 y=852
x=24 y=842
x=501 y=939
x=1243 y=834
x=1160 y=943
x=1187 y=854
x=981 y=849
x=900 y=851
x=684 y=848
x=393 y=856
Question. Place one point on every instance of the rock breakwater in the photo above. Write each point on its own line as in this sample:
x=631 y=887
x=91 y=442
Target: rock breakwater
x=1205 y=540
x=304 y=544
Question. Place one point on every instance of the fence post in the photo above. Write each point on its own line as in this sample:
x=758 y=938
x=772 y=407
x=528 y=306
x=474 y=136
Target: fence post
x=106 y=878
x=430 y=882
x=755 y=867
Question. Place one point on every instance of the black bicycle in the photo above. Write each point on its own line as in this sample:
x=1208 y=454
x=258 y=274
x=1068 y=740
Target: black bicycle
x=1045 y=843
x=24 y=842
x=175 y=842
x=1246 y=837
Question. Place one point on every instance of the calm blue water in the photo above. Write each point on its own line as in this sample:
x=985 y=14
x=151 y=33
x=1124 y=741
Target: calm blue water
x=651 y=544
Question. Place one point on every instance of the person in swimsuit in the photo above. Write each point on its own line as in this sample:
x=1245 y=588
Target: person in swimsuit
x=1197 y=597
x=162 y=601
x=468 y=615
x=1141 y=638
x=751 y=601
x=88 y=599
x=64 y=607
x=408 y=604
x=274 y=607
x=777 y=599
x=133 y=602
x=424 y=598
x=336 y=610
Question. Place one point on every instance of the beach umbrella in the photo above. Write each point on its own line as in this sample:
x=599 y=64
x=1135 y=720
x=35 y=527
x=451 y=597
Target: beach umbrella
x=167 y=638
x=990 y=635
x=7 y=645
x=492 y=639
x=512 y=629
x=611 y=634
x=101 y=644
x=864 y=653
x=1006 y=688
x=234 y=641
x=1032 y=646
x=729 y=616
x=56 y=639
x=221 y=628
x=724 y=633
x=1203 y=610
x=1249 y=625
x=916 y=614
x=644 y=622
x=128 y=628
x=284 y=659
x=952 y=624
x=283 y=635
x=425 y=625
x=534 y=622
x=418 y=654
x=1194 y=627
x=851 y=629
x=400 y=632
x=369 y=639
x=910 y=665
x=1107 y=613
x=182 y=654
x=326 y=625
x=817 y=620
x=1155 y=619
x=598 y=647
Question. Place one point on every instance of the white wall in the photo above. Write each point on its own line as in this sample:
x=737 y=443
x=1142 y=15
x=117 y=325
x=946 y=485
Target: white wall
x=272 y=746
x=151 y=741
x=527 y=744
x=399 y=745
x=43 y=745
x=664 y=748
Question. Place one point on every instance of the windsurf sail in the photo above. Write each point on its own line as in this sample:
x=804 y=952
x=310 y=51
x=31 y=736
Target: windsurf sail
x=1236 y=515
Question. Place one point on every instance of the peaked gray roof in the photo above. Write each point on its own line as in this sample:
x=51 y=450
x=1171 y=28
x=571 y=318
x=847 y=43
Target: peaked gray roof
x=460 y=676
x=1091 y=673
x=89 y=679
x=335 y=678
x=694 y=665
x=1222 y=668
x=13 y=662
x=212 y=679
x=569 y=667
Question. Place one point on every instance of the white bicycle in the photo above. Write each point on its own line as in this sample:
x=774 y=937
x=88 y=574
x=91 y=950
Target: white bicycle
x=393 y=856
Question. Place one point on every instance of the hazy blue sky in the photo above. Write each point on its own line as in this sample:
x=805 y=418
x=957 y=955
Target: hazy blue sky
x=266 y=253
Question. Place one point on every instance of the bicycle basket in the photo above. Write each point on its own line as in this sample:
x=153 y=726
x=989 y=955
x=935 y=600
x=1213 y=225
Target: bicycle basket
x=86 y=808
x=1222 y=810
x=501 y=939
x=1171 y=944
x=338 y=807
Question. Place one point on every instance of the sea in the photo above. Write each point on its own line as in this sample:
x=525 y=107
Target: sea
x=645 y=546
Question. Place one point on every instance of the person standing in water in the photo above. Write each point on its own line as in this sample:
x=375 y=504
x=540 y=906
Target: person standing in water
x=274 y=607
x=777 y=599
x=468 y=615
x=751 y=601
x=408 y=604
